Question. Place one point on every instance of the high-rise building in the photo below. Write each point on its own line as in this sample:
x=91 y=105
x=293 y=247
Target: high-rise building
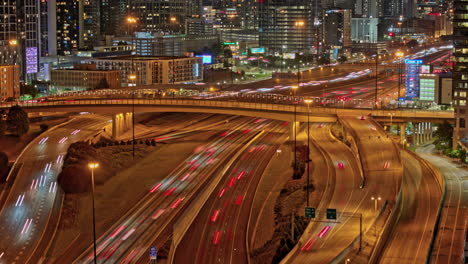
x=154 y=16
x=8 y=31
x=9 y=82
x=397 y=8
x=337 y=28
x=67 y=26
x=90 y=23
x=460 y=70
x=113 y=13
x=28 y=26
x=288 y=25
x=367 y=8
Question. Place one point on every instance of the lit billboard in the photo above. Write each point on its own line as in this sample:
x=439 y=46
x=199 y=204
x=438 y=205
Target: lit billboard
x=207 y=59
x=257 y=50
x=31 y=60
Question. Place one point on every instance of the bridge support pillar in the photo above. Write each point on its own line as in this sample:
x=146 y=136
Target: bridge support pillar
x=403 y=133
x=121 y=123
x=416 y=134
x=128 y=121
x=293 y=129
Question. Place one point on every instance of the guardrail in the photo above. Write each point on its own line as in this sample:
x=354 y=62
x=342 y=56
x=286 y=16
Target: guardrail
x=266 y=105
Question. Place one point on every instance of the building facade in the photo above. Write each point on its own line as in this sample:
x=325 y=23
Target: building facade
x=460 y=70
x=364 y=30
x=85 y=77
x=337 y=28
x=9 y=82
x=288 y=25
x=153 y=70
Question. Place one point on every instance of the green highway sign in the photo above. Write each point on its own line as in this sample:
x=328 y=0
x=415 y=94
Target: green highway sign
x=310 y=212
x=229 y=43
x=331 y=214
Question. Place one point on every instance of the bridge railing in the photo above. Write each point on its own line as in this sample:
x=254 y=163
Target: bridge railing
x=288 y=105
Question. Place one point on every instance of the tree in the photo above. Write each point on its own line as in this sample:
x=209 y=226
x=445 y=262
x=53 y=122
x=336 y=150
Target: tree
x=103 y=84
x=412 y=43
x=17 y=121
x=28 y=89
x=444 y=132
x=3 y=164
x=342 y=59
x=3 y=126
x=323 y=60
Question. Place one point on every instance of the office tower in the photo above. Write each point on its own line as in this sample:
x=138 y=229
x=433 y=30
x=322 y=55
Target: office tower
x=28 y=26
x=48 y=28
x=113 y=15
x=154 y=16
x=337 y=28
x=460 y=70
x=287 y=25
x=367 y=8
x=67 y=26
x=90 y=23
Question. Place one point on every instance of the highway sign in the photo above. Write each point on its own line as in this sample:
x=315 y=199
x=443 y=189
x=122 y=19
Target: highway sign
x=310 y=212
x=153 y=252
x=331 y=214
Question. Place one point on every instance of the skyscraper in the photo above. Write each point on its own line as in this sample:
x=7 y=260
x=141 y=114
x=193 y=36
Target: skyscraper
x=112 y=15
x=154 y=16
x=287 y=25
x=460 y=70
x=67 y=26
x=28 y=26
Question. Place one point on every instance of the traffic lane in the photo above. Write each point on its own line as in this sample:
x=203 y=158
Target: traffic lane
x=161 y=201
x=449 y=243
x=37 y=173
x=141 y=215
x=223 y=198
x=233 y=248
x=150 y=239
x=330 y=239
x=421 y=195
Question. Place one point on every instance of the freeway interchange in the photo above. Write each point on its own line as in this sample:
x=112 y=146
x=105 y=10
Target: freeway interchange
x=203 y=207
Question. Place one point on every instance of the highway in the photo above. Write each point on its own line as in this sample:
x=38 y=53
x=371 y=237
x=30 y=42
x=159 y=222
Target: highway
x=420 y=201
x=24 y=218
x=326 y=240
x=450 y=241
x=218 y=234
x=131 y=236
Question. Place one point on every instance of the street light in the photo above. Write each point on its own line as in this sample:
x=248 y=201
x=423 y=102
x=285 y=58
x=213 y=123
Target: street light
x=173 y=21
x=294 y=88
x=308 y=101
x=376 y=201
x=132 y=77
x=399 y=55
x=13 y=43
x=299 y=24
x=92 y=166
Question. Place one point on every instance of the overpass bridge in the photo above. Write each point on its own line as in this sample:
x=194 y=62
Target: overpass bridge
x=299 y=111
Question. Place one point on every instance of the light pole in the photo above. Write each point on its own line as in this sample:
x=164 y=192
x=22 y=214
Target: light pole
x=14 y=43
x=294 y=125
x=308 y=101
x=92 y=166
x=399 y=55
x=132 y=78
x=173 y=21
x=299 y=24
x=376 y=76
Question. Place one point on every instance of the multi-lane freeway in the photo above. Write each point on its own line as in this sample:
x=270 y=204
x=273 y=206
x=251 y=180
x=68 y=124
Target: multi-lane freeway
x=24 y=219
x=218 y=234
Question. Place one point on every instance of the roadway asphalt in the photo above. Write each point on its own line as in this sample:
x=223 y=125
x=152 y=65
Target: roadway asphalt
x=326 y=240
x=218 y=234
x=450 y=240
x=24 y=218
x=420 y=201
x=132 y=235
